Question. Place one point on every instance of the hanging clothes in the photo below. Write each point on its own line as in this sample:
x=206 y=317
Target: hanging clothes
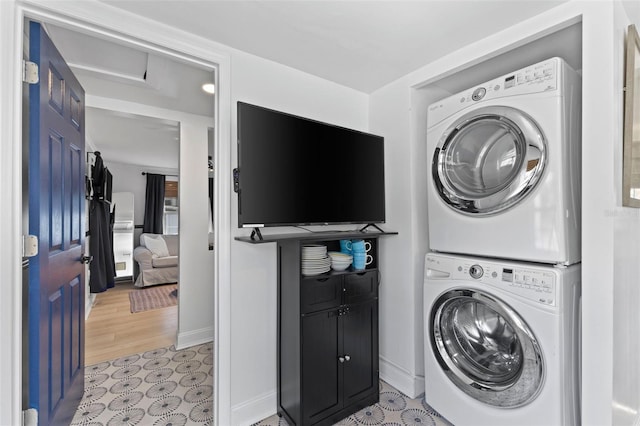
x=102 y=267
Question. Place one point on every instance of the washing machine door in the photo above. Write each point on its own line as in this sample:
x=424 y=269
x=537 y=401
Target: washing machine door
x=485 y=348
x=488 y=160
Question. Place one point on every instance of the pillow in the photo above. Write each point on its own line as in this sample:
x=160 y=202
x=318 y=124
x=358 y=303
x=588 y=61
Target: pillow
x=157 y=245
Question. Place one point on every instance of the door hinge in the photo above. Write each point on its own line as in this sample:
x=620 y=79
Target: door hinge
x=30 y=72
x=30 y=417
x=29 y=245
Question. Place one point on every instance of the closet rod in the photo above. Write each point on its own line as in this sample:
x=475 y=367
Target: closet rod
x=144 y=173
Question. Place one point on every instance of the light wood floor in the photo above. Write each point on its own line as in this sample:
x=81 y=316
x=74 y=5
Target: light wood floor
x=113 y=331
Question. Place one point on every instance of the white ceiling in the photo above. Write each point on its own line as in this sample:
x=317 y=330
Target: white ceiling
x=134 y=139
x=107 y=69
x=360 y=44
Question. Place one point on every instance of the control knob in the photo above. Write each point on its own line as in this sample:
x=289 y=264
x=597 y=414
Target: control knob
x=476 y=271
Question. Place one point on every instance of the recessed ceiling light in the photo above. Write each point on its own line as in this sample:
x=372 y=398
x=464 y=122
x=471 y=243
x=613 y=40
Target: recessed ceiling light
x=209 y=88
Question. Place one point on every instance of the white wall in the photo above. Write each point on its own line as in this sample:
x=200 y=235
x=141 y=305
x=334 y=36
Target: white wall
x=401 y=256
x=254 y=267
x=626 y=253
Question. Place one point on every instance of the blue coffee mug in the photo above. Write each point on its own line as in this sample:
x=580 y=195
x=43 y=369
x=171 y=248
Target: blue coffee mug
x=361 y=260
x=346 y=246
x=360 y=246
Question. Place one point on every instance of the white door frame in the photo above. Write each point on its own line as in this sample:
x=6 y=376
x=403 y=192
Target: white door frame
x=104 y=21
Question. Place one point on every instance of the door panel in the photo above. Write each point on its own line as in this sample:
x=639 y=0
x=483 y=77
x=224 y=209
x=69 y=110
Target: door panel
x=320 y=370
x=56 y=216
x=360 y=328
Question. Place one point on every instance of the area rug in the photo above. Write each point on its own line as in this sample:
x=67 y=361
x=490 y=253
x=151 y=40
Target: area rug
x=162 y=296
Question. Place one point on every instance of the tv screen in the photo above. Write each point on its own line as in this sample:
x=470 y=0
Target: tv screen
x=297 y=171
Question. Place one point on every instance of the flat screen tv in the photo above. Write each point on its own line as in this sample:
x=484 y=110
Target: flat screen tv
x=297 y=171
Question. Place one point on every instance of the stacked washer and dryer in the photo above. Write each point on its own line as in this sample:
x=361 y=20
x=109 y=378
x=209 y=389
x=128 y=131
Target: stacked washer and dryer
x=502 y=280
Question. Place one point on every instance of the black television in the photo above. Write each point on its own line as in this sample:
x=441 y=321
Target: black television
x=297 y=171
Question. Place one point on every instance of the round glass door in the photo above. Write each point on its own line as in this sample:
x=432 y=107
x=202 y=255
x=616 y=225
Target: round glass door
x=486 y=348
x=488 y=160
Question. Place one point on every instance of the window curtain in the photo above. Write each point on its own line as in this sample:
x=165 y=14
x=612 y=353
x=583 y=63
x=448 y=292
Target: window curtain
x=154 y=204
x=210 y=205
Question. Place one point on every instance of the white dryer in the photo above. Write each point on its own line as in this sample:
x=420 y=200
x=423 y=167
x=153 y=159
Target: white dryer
x=502 y=341
x=504 y=167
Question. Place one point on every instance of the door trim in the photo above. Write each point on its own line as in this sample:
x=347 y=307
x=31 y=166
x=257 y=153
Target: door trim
x=107 y=22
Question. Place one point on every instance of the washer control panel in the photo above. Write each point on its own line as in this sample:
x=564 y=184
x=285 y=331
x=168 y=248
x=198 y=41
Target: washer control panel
x=538 y=285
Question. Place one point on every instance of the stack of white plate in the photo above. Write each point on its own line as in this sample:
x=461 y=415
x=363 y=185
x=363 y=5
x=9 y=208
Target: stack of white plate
x=340 y=261
x=315 y=260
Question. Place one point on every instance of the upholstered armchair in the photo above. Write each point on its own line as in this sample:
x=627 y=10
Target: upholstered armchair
x=157 y=257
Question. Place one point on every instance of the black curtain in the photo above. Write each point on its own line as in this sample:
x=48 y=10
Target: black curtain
x=102 y=267
x=211 y=200
x=154 y=204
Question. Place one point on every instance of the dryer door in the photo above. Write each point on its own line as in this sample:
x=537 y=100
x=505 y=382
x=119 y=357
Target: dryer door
x=485 y=348
x=488 y=160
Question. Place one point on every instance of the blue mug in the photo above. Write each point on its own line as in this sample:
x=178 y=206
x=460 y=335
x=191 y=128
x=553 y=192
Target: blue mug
x=361 y=260
x=360 y=246
x=346 y=246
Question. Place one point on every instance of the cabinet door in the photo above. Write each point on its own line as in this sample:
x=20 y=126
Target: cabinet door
x=360 y=350
x=321 y=370
x=360 y=287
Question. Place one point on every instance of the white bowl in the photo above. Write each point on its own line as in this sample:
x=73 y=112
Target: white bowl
x=336 y=255
x=340 y=266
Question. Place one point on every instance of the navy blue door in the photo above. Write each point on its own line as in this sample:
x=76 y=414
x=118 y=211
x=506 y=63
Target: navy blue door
x=56 y=216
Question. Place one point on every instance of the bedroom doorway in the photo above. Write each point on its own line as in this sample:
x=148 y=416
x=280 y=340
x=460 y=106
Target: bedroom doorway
x=133 y=148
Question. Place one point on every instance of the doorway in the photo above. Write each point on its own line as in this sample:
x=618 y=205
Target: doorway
x=190 y=180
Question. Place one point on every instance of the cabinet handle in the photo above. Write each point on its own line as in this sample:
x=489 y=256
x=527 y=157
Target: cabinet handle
x=341 y=359
x=347 y=358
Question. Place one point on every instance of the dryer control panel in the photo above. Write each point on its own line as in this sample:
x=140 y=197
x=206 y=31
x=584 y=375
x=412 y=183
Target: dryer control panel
x=538 y=284
x=544 y=76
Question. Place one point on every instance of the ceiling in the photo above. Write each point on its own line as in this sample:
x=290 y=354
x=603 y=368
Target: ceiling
x=363 y=45
x=107 y=69
x=359 y=44
x=134 y=139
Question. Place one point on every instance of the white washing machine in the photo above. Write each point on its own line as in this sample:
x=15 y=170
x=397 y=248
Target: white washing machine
x=504 y=167
x=502 y=341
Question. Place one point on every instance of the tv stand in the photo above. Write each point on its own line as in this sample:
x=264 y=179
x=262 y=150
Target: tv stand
x=373 y=225
x=327 y=361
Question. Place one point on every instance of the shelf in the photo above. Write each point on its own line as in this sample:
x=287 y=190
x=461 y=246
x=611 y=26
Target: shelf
x=311 y=236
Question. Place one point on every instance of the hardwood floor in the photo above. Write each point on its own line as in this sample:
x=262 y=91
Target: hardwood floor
x=113 y=331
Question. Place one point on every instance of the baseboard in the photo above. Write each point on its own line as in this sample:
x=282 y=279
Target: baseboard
x=195 y=337
x=401 y=379
x=90 y=299
x=256 y=409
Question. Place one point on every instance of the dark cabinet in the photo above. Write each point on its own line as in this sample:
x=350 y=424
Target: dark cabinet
x=328 y=339
x=327 y=331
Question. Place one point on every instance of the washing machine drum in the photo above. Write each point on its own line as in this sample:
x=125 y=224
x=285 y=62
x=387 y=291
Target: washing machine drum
x=485 y=348
x=488 y=160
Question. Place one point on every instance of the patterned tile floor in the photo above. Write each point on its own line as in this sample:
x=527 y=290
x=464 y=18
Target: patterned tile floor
x=159 y=387
x=393 y=409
